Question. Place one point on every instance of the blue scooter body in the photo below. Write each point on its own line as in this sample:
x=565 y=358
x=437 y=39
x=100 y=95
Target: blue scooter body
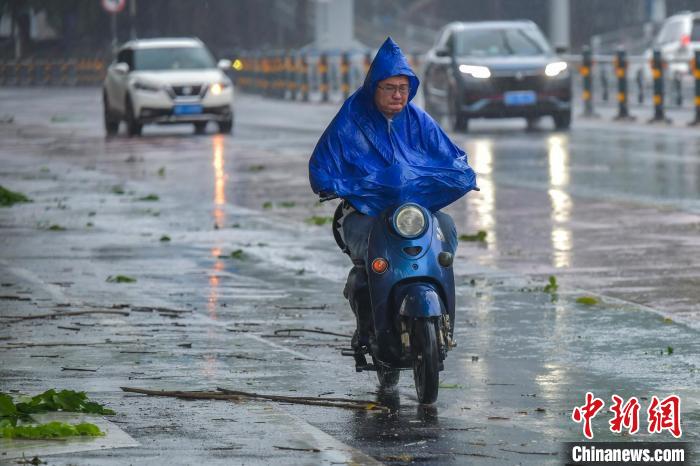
x=414 y=286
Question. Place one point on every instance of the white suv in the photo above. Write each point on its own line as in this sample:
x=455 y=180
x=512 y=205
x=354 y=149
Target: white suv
x=167 y=81
x=678 y=39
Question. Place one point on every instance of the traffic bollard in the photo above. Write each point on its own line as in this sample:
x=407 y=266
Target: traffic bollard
x=696 y=74
x=678 y=90
x=621 y=73
x=586 y=74
x=323 y=73
x=289 y=76
x=640 y=86
x=657 y=73
x=345 y=74
x=604 y=84
x=304 y=78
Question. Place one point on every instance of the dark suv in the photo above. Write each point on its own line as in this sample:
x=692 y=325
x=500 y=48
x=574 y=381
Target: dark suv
x=499 y=69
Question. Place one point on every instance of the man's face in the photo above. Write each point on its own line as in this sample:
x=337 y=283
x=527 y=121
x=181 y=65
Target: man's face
x=391 y=95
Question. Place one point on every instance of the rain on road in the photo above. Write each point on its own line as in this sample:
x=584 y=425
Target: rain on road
x=610 y=210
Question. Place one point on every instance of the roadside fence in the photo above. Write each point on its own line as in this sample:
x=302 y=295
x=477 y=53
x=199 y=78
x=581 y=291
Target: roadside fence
x=623 y=82
x=45 y=72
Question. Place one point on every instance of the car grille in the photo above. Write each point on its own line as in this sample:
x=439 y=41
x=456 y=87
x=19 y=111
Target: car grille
x=511 y=83
x=187 y=91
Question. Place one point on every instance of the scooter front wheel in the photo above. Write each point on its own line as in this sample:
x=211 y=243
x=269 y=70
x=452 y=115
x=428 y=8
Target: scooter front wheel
x=426 y=363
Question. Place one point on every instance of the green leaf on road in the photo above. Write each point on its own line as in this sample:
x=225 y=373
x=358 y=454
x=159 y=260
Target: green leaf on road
x=587 y=300
x=8 y=198
x=480 y=237
x=118 y=190
x=267 y=205
x=56 y=228
x=669 y=350
x=161 y=171
x=450 y=385
x=238 y=254
x=149 y=198
x=165 y=238
x=552 y=286
x=51 y=430
x=286 y=204
x=256 y=168
x=120 y=279
x=316 y=220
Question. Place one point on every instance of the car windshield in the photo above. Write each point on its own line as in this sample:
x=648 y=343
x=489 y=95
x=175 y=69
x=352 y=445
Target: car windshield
x=695 y=36
x=499 y=42
x=173 y=58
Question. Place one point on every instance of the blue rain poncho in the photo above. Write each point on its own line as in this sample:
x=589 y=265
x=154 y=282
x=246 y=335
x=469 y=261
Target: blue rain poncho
x=374 y=163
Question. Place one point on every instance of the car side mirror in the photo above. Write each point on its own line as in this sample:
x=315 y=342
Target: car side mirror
x=121 y=68
x=224 y=64
x=443 y=52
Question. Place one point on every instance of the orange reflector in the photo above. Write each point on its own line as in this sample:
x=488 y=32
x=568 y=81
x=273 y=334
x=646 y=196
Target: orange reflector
x=380 y=265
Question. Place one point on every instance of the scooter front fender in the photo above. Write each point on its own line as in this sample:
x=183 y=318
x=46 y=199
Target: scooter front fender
x=420 y=300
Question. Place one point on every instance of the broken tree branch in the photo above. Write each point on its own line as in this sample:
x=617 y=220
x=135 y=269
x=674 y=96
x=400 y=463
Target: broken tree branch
x=53 y=315
x=309 y=330
x=231 y=395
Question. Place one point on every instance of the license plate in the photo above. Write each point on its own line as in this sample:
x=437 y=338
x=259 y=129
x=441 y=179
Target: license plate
x=520 y=98
x=189 y=109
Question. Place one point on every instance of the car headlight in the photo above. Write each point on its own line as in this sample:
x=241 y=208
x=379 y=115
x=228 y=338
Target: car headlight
x=218 y=88
x=555 y=69
x=480 y=72
x=409 y=221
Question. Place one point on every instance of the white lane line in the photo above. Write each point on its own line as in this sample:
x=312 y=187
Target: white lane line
x=54 y=290
x=304 y=435
x=279 y=347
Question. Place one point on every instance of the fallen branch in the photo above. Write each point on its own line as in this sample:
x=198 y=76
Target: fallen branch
x=322 y=332
x=96 y=343
x=158 y=309
x=53 y=315
x=77 y=369
x=295 y=399
x=231 y=395
x=14 y=298
x=545 y=453
x=313 y=450
x=310 y=308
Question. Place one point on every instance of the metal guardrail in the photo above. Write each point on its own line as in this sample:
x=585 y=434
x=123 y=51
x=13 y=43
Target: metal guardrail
x=42 y=72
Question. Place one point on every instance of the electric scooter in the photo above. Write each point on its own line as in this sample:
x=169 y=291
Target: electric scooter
x=412 y=293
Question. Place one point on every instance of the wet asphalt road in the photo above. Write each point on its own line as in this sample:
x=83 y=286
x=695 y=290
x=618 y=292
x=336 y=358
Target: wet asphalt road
x=611 y=210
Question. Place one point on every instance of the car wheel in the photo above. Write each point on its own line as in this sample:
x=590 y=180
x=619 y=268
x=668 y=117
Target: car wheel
x=111 y=122
x=532 y=123
x=226 y=126
x=458 y=122
x=200 y=127
x=562 y=120
x=133 y=126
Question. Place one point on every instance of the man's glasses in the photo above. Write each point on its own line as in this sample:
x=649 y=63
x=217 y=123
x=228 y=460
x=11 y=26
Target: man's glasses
x=390 y=89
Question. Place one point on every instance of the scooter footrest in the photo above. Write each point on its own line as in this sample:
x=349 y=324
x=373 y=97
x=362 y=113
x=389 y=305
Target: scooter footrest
x=366 y=367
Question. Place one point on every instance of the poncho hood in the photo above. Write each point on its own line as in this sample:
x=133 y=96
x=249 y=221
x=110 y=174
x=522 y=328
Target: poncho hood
x=375 y=163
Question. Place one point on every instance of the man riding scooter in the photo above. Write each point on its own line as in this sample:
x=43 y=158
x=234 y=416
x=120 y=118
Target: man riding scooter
x=380 y=151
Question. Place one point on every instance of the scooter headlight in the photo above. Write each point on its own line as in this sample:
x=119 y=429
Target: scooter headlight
x=409 y=221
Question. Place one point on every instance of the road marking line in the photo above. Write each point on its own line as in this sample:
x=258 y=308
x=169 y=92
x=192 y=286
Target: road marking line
x=279 y=347
x=306 y=435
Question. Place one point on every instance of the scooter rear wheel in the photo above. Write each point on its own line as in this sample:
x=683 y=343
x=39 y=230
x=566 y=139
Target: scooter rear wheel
x=426 y=365
x=388 y=378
